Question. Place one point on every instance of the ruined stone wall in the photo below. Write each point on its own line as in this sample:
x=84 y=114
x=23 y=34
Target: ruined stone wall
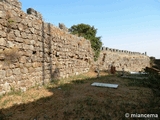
x=34 y=52
x=130 y=61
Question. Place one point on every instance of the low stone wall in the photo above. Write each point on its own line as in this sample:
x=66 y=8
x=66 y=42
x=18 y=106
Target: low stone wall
x=34 y=52
x=130 y=61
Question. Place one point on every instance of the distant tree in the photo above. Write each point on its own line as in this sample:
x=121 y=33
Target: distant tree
x=89 y=33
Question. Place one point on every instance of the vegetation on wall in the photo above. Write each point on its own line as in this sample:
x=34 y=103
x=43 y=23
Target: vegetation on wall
x=88 y=32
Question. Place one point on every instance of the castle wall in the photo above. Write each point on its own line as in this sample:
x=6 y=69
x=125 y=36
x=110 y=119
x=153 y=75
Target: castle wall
x=34 y=52
x=130 y=61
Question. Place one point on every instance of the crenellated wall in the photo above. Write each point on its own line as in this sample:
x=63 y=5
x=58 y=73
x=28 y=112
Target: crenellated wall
x=34 y=52
x=130 y=61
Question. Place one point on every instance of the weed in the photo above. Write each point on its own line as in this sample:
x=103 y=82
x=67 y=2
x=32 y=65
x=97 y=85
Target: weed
x=55 y=82
x=9 y=24
x=5 y=102
x=78 y=81
x=10 y=21
x=15 y=92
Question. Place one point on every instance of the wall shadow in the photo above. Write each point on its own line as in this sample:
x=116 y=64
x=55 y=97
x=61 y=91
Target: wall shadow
x=43 y=51
x=44 y=108
x=50 y=51
x=85 y=102
x=48 y=45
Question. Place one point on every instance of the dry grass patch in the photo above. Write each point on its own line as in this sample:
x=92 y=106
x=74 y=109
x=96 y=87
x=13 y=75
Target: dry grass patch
x=78 y=100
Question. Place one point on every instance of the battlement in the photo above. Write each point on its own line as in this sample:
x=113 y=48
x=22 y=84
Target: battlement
x=63 y=27
x=33 y=12
x=122 y=51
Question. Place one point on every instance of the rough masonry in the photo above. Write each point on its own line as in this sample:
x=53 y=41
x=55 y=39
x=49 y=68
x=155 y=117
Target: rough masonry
x=130 y=61
x=33 y=52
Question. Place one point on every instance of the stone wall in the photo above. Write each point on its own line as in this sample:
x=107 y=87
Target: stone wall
x=130 y=61
x=34 y=52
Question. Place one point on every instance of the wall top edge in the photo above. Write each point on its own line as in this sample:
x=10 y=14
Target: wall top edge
x=122 y=51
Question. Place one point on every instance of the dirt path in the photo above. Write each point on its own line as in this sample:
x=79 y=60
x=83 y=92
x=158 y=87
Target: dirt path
x=78 y=100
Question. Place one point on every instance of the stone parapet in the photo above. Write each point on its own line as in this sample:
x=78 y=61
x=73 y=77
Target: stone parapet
x=122 y=51
x=33 y=12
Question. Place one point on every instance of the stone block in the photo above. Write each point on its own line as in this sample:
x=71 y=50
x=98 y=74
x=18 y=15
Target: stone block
x=17 y=19
x=17 y=33
x=25 y=47
x=10 y=44
x=2 y=34
x=11 y=66
x=35 y=64
x=37 y=27
x=34 y=58
x=22 y=59
x=28 y=65
x=11 y=36
x=20 y=27
x=9 y=72
x=1 y=6
x=24 y=70
x=23 y=89
x=2 y=74
x=38 y=69
x=32 y=42
x=2 y=92
x=31 y=70
x=29 y=23
x=35 y=37
x=20 y=40
x=30 y=47
x=3 y=42
x=10 y=79
x=6 y=87
x=24 y=35
x=32 y=30
x=29 y=36
x=2 y=14
x=16 y=71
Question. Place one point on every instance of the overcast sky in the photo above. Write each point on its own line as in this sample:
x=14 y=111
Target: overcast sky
x=132 y=25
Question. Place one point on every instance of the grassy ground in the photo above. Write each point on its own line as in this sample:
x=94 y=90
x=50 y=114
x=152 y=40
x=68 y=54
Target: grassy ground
x=76 y=99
